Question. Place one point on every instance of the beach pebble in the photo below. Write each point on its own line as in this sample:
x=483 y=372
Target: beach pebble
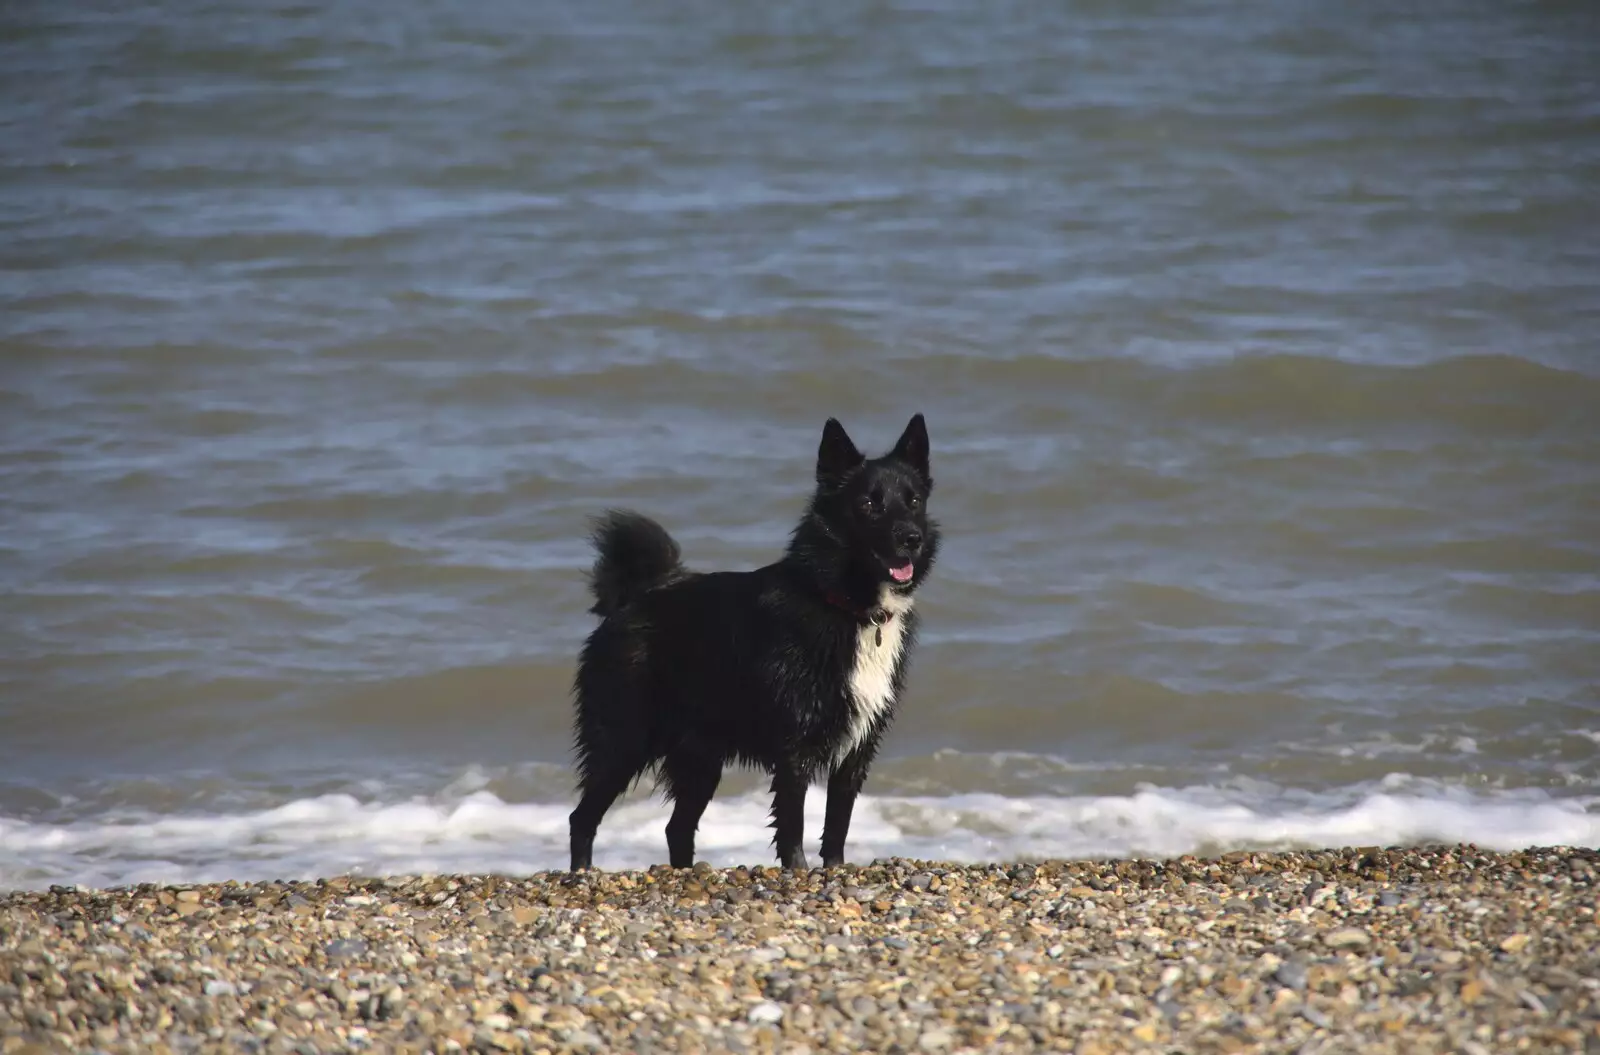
x=1291 y=975
x=1347 y=938
x=344 y=948
x=1077 y=955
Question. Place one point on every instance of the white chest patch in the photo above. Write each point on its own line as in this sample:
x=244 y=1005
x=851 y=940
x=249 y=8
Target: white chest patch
x=872 y=676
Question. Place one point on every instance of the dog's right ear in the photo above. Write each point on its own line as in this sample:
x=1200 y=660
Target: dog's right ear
x=837 y=456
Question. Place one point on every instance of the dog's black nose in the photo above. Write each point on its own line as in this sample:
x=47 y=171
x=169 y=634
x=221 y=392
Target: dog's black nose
x=910 y=540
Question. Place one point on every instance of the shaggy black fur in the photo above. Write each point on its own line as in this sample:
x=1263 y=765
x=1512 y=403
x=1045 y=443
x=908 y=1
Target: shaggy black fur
x=796 y=667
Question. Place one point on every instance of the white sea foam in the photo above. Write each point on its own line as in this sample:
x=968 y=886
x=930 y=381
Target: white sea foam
x=473 y=830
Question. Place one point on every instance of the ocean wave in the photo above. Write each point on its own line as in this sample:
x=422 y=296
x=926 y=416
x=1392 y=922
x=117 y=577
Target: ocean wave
x=467 y=828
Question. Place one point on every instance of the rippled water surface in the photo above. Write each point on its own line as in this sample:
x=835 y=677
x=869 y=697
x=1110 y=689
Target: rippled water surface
x=1257 y=343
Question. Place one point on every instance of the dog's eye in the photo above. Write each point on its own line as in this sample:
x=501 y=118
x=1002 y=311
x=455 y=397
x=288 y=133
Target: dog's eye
x=868 y=505
x=914 y=503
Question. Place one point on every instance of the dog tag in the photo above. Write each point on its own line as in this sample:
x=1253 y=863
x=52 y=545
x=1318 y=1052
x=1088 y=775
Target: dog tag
x=880 y=635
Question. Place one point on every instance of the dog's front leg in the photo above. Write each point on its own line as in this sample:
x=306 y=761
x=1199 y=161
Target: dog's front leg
x=844 y=784
x=789 y=815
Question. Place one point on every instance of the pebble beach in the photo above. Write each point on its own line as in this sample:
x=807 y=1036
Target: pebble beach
x=1374 y=950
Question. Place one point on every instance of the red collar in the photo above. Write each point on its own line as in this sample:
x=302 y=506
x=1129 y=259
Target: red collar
x=874 y=616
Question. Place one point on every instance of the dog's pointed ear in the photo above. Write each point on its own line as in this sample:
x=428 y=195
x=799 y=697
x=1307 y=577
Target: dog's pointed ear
x=837 y=456
x=912 y=447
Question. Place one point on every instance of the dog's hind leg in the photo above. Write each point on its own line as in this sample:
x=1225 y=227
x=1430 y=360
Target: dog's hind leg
x=611 y=741
x=598 y=790
x=691 y=778
x=789 y=815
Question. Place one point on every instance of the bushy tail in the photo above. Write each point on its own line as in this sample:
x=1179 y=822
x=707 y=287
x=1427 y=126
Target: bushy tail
x=635 y=555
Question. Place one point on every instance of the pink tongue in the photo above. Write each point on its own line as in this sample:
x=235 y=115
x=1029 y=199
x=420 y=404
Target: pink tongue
x=902 y=574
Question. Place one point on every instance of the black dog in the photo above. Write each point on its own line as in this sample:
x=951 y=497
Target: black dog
x=795 y=667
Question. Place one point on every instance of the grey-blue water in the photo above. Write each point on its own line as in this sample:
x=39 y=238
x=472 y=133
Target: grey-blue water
x=1257 y=342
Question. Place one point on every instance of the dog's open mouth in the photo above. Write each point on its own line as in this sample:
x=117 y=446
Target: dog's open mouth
x=903 y=573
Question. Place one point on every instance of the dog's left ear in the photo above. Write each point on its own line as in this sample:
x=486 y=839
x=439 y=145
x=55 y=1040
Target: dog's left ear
x=913 y=447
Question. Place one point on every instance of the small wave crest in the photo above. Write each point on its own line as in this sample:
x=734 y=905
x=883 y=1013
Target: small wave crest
x=467 y=828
